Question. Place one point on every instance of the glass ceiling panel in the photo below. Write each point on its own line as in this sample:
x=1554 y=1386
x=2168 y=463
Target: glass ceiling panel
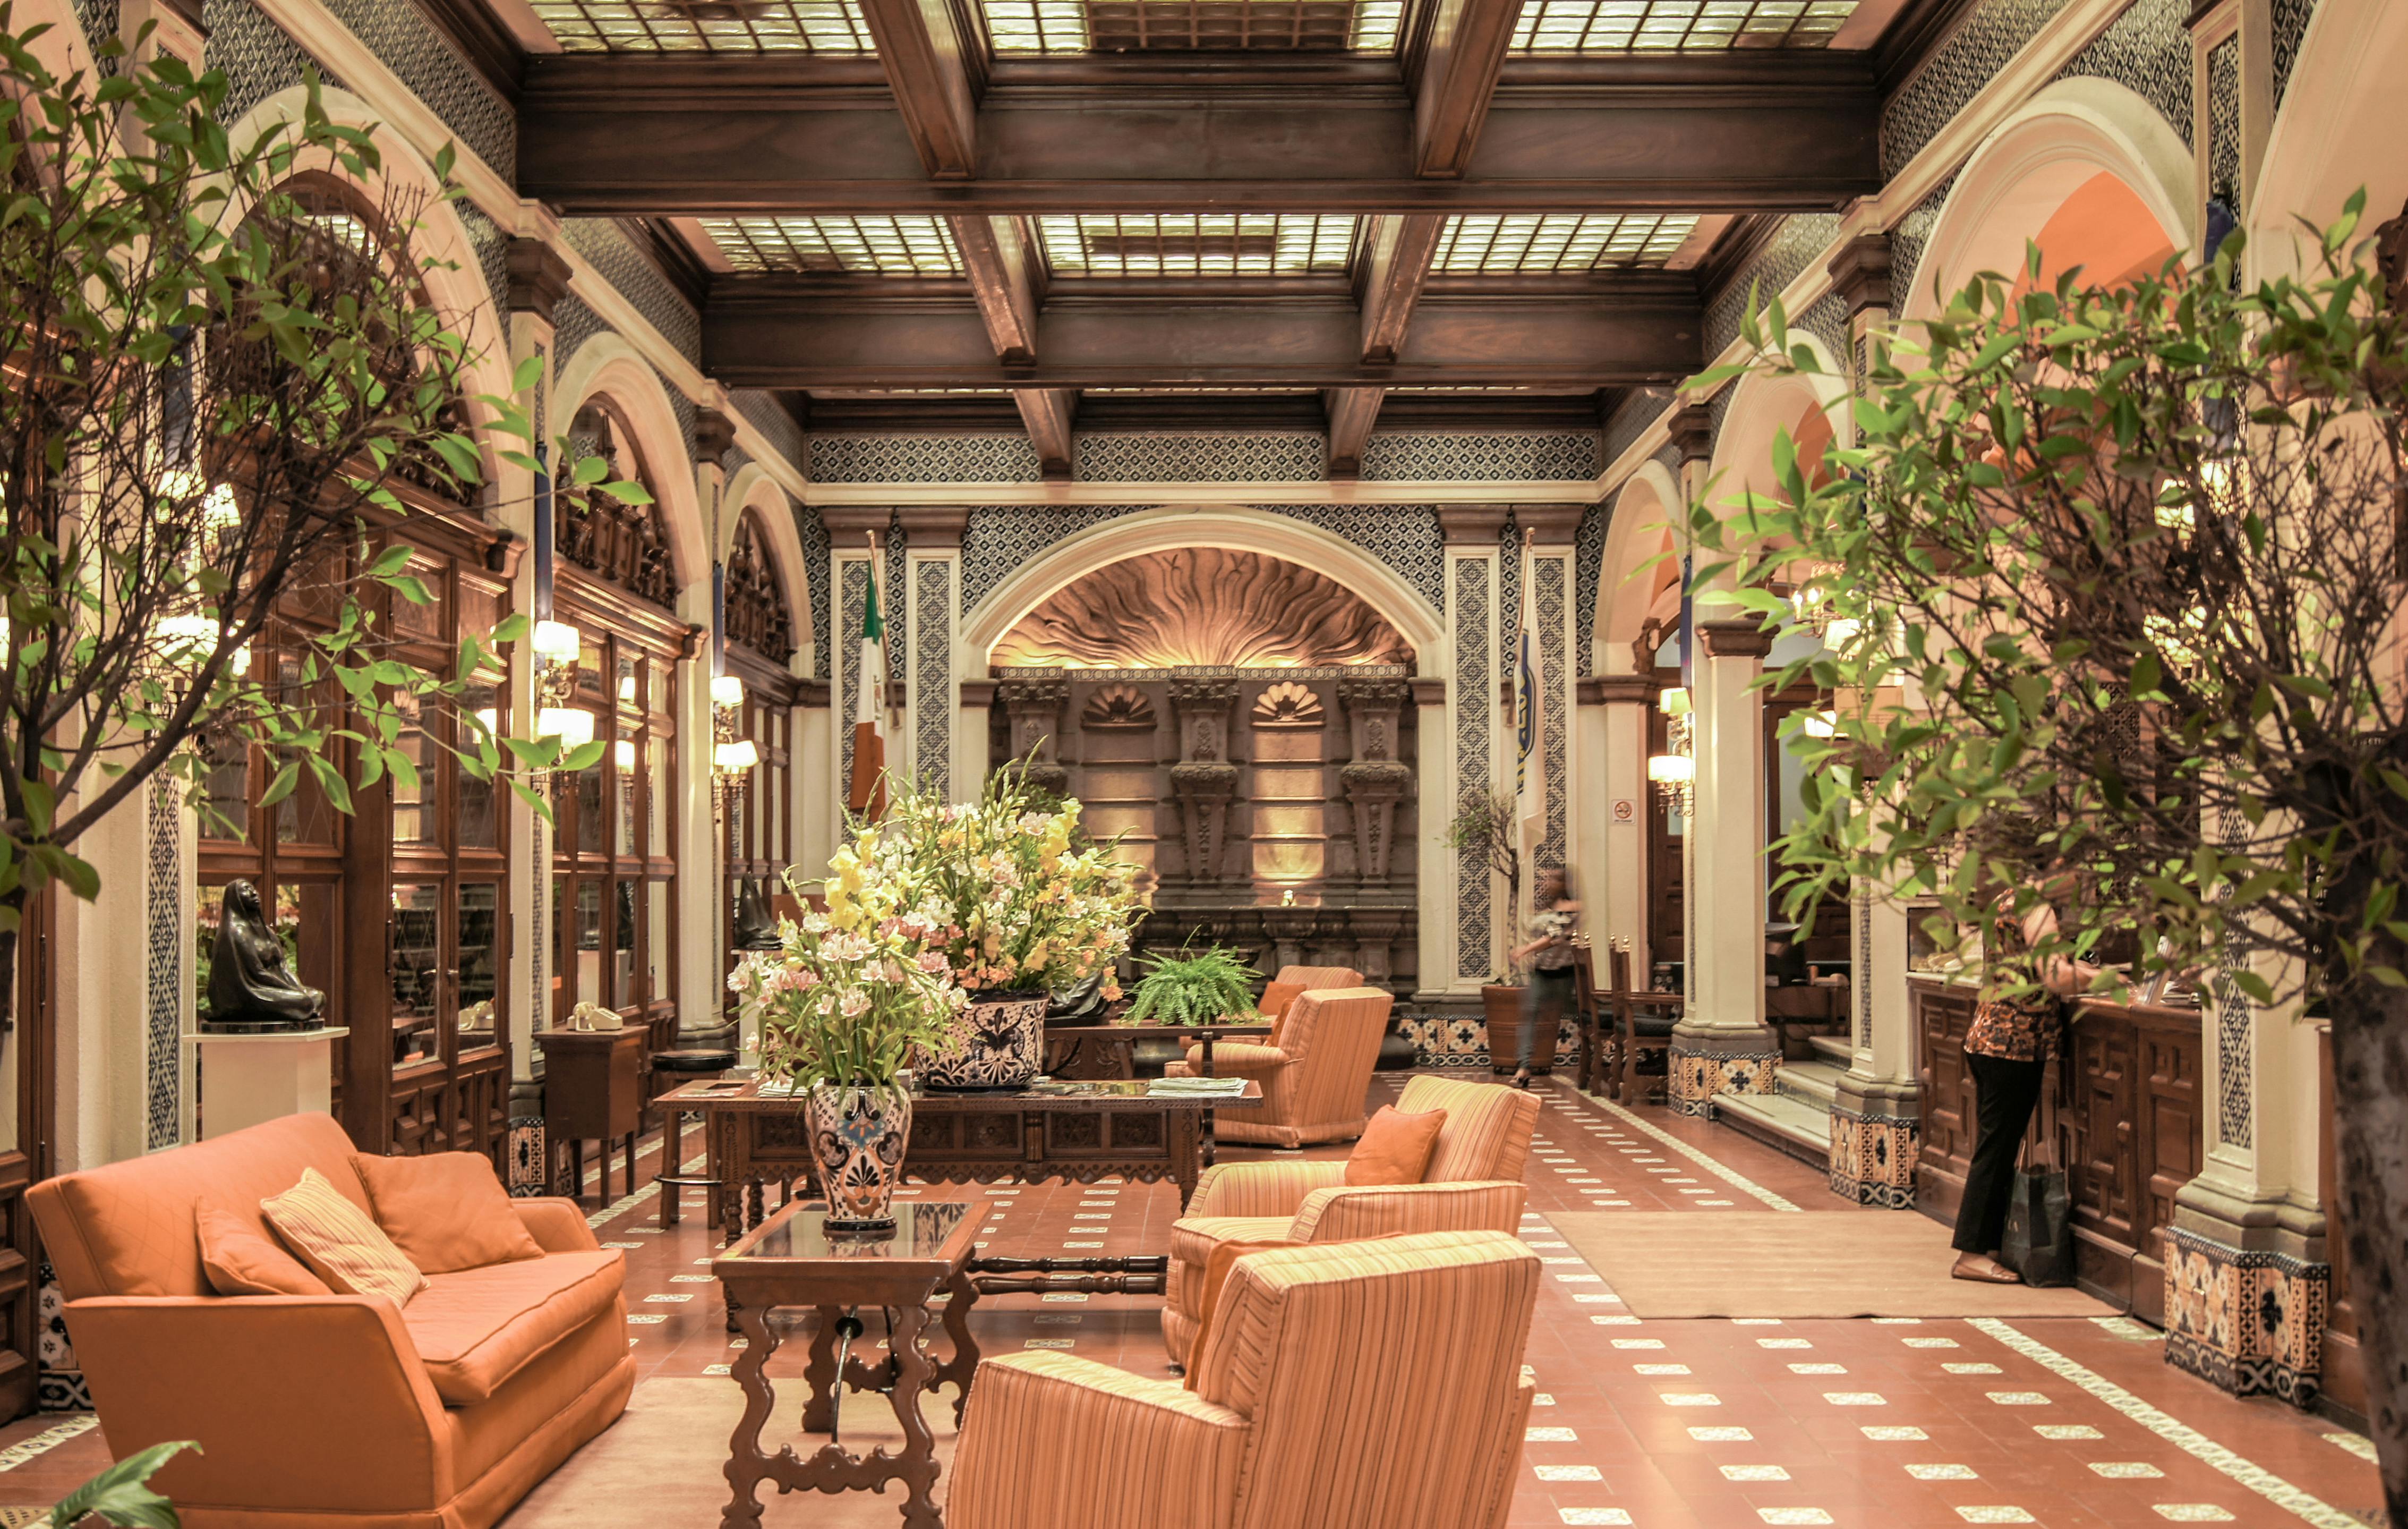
x=866 y=245
x=1080 y=26
x=1651 y=26
x=1526 y=243
x=1197 y=244
x=832 y=27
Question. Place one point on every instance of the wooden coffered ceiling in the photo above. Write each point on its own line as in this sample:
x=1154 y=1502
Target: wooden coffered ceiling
x=932 y=210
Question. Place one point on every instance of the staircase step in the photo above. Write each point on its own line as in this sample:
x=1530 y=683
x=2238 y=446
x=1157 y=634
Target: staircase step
x=1840 y=1052
x=1810 y=1083
x=1789 y=1124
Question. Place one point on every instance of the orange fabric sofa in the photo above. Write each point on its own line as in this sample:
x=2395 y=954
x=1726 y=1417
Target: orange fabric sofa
x=1370 y=1385
x=329 y=1411
x=1314 y=1080
x=1473 y=1181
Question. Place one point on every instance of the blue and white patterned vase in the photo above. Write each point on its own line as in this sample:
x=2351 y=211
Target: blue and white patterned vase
x=857 y=1133
x=996 y=1044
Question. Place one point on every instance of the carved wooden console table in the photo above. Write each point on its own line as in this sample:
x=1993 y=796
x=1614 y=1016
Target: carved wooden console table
x=1077 y=1131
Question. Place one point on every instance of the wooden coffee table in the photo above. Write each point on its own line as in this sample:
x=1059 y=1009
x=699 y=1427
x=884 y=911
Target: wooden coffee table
x=791 y=1260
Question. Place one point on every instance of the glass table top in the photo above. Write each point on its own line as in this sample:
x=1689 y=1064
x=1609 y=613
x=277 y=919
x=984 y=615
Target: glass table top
x=921 y=1231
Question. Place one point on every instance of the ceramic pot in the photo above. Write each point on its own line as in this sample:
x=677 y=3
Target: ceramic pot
x=1502 y=1006
x=857 y=1132
x=995 y=1043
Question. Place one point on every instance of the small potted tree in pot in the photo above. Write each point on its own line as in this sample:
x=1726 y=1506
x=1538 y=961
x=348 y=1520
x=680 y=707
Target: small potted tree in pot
x=841 y=1008
x=1485 y=825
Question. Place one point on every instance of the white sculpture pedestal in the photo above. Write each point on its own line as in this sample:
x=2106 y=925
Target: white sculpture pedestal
x=249 y=1079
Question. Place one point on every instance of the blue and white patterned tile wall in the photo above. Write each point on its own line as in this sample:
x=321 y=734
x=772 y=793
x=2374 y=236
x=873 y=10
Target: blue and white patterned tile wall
x=922 y=460
x=1638 y=409
x=1202 y=457
x=258 y=57
x=815 y=567
x=572 y=324
x=166 y=979
x=2224 y=122
x=1910 y=240
x=492 y=245
x=1797 y=245
x=2146 y=50
x=98 y=19
x=1406 y=537
x=1209 y=457
x=855 y=591
x=932 y=675
x=1555 y=701
x=1482 y=456
x=764 y=413
x=1475 y=700
x=1956 y=71
x=2291 y=19
x=423 y=59
x=637 y=280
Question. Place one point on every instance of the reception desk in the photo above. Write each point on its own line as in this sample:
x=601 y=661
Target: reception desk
x=2122 y=1105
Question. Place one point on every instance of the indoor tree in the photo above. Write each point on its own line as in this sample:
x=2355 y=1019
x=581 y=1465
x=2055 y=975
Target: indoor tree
x=2113 y=581
x=221 y=380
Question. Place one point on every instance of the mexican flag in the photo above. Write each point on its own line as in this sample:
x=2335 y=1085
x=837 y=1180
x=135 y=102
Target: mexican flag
x=866 y=794
x=1529 y=717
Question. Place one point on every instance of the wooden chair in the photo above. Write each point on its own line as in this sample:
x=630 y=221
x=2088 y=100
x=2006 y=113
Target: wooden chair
x=1642 y=1021
x=1596 y=1027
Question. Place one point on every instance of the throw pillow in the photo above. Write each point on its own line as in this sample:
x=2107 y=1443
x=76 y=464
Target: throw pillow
x=1216 y=1273
x=1277 y=996
x=240 y=1261
x=1394 y=1147
x=339 y=1242
x=445 y=1211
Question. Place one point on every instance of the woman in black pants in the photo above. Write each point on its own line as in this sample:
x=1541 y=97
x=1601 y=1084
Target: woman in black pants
x=2007 y=1049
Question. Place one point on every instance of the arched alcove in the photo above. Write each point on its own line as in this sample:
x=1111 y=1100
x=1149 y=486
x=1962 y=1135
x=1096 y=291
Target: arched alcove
x=1200 y=607
x=2338 y=130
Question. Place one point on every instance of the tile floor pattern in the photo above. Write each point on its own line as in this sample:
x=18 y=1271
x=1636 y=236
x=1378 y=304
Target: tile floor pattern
x=1689 y=1424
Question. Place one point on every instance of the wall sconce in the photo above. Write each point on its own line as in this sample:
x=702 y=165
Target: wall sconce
x=558 y=646
x=1674 y=772
x=731 y=754
x=1813 y=603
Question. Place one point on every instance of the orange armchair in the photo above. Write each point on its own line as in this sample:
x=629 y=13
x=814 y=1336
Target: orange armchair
x=1314 y=1080
x=1473 y=1181
x=317 y=1410
x=1428 y=1436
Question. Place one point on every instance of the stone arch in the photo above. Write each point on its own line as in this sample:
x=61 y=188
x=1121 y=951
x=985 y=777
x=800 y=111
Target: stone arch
x=752 y=489
x=1810 y=406
x=607 y=367
x=1647 y=516
x=63 y=50
x=2338 y=130
x=1232 y=528
x=2033 y=165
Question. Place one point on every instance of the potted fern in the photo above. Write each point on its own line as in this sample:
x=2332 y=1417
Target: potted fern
x=1197 y=988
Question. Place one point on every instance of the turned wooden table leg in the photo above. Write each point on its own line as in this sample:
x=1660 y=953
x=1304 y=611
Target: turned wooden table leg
x=826 y=1385
x=914 y=1376
x=746 y=1464
x=963 y=1365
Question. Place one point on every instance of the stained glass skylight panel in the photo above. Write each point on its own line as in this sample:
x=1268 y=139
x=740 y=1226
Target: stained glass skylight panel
x=1197 y=244
x=1119 y=26
x=832 y=27
x=861 y=245
x=1555 y=243
x=1659 y=26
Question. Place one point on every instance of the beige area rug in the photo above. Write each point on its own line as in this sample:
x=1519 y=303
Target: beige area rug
x=662 y=1464
x=1873 y=1263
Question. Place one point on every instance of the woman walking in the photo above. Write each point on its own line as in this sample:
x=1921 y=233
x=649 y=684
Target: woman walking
x=1555 y=919
x=2007 y=1049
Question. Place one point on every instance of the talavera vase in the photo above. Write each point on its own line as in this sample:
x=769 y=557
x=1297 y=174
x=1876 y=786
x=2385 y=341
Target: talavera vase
x=995 y=1044
x=857 y=1133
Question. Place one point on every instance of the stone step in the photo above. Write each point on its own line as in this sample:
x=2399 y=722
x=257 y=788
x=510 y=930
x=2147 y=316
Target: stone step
x=1790 y=1125
x=1838 y=1051
x=1810 y=1083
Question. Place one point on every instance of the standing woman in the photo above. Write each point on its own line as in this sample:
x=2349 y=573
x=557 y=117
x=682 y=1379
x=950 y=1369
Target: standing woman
x=1555 y=919
x=2007 y=1049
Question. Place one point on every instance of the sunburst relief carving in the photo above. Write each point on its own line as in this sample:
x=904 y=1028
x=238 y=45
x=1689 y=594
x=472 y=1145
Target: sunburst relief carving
x=1201 y=606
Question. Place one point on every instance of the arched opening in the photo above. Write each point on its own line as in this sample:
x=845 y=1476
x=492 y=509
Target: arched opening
x=2338 y=130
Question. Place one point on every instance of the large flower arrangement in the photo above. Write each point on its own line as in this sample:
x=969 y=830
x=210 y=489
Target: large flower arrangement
x=1018 y=906
x=844 y=1001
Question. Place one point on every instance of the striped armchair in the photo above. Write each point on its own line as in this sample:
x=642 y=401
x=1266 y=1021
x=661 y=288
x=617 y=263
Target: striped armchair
x=1429 y=1435
x=1473 y=1181
x=1314 y=1080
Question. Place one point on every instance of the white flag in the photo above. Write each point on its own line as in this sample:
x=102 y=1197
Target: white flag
x=1530 y=753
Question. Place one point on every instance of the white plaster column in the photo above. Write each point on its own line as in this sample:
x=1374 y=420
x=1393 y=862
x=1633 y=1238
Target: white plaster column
x=123 y=986
x=971 y=725
x=701 y=884
x=1434 y=864
x=1552 y=529
x=1471 y=941
x=1722 y=1043
x=932 y=572
x=849 y=527
x=1614 y=717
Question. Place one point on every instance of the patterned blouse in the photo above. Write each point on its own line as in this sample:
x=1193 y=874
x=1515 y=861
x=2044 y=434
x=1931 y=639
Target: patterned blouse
x=2015 y=1030
x=1556 y=926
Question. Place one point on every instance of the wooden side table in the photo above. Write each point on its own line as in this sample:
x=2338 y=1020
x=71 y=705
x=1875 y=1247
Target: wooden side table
x=790 y=1260
x=593 y=1090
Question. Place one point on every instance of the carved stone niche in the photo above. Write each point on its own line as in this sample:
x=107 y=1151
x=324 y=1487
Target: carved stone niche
x=1117 y=707
x=1376 y=931
x=1034 y=708
x=1375 y=780
x=1204 y=780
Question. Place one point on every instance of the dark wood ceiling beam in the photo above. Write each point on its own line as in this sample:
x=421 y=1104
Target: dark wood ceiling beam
x=996 y=257
x=1351 y=412
x=597 y=138
x=1458 y=75
x=927 y=56
x=756 y=336
x=1400 y=252
x=1047 y=413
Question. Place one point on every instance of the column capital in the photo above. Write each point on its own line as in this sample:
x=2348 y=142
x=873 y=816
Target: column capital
x=714 y=437
x=1429 y=691
x=979 y=692
x=1618 y=690
x=1740 y=638
x=1471 y=525
x=1691 y=430
x=848 y=521
x=1554 y=527
x=537 y=276
x=934 y=528
x=1860 y=273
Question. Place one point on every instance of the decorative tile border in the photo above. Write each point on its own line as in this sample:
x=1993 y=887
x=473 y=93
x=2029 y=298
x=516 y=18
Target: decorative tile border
x=1873 y=1159
x=1697 y=1075
x=59 y=1384
x=40 y=1444
x=1729 y=1175
x=2248 y=1323
x=2282 y=1494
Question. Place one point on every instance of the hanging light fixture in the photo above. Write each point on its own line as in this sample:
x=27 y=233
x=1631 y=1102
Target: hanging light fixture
x=1674 y=772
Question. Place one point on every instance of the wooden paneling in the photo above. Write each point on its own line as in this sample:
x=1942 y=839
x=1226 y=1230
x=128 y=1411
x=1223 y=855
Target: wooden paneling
x=2345 y=1365
x=2122 y=1108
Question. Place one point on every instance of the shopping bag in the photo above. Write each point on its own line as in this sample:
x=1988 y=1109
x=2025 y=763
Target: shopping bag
x=2039 y=1243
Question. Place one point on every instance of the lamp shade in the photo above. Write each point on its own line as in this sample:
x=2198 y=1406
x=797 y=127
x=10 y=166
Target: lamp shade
x=1673 y=700
x=726 y=690
x=1671 y=768
x=732 y=758
x=572 y=724
x=557 y=641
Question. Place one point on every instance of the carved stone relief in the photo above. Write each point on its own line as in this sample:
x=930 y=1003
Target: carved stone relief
x=1201 y=606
